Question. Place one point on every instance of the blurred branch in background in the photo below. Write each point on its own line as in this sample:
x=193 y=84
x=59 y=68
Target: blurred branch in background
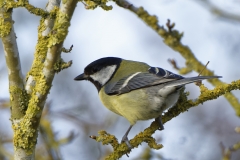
x=220 y=12
x=4 y=139
x=51 y=145
x=227 y=151
x=4 y=103
x=4 y=153
x=49 y=141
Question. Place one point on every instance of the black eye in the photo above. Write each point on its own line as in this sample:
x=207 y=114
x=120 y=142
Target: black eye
x=94 y=70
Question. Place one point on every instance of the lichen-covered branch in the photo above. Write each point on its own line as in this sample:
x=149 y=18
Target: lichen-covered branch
x=92 y=4
x=51 y=34
x=18 y=96
x=206 y=95
x=61 y=65
x=227 y=151
x=65 y=50
x=10 y=4
x=4 y=153
x=25 y=131
x=58 y=35
x=172 y=38
x=46 y=26
x=220 y=12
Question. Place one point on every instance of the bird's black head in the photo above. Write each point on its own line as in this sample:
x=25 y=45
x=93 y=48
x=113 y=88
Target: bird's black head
x=99 y=72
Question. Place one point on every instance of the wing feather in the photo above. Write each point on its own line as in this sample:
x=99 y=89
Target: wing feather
x=138 y=80
x=155 y=76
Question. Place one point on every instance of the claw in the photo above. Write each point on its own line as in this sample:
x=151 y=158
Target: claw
x=159 y=119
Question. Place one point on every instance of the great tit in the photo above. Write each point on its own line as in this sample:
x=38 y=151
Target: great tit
x=134 y=89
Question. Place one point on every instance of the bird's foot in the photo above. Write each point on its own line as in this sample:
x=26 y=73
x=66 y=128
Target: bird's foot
x=125 y=139
x=159 y=120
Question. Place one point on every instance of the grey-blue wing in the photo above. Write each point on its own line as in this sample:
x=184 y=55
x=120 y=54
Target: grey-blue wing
x=155 y=76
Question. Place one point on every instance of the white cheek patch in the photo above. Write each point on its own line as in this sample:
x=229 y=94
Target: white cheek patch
x=104 y=74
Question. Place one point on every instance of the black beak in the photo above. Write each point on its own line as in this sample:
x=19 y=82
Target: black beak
x=81 y=77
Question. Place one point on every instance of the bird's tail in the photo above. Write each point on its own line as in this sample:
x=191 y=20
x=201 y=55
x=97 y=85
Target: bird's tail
x=184 y=81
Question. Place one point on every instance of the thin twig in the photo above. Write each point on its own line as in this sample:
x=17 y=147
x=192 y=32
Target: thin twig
x=203 y=69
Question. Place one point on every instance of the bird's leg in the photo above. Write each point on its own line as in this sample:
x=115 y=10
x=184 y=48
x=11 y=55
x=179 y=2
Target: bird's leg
x=125 y=138
x=159 y=120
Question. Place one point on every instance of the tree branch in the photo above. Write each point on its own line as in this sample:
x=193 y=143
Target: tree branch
x=18 y=96
x=220 y=12
x=39 y=79
x=3 y=152
x=45 y=28
x=24 y=3
x=92 y=4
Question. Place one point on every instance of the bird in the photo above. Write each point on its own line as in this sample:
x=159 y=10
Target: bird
x=135 y=90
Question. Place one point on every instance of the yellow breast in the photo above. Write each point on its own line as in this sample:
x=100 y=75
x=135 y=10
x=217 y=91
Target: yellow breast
x=129 y=105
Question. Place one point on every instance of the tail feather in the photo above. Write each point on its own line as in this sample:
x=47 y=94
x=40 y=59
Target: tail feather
x=189 y=80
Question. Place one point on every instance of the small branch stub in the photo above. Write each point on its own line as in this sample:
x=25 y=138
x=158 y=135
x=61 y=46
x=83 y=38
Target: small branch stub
x=169 y=25
x=67 y=50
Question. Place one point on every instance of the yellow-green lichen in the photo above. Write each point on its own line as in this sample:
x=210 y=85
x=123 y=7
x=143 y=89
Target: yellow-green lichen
x=35 y=10
x=121 y=148
x=40 y=52
x=22 y=99
x=152 y=21
x=10 y=4
x=236 y=146
x=185 y=70
x=64 y=1
x=92 y=4
x=60 y=65
x=60 y=29
x=152 y=143
x=223 y=89
x=5 y=22
x=107 y=138
x=25 y=132
x=25 y=136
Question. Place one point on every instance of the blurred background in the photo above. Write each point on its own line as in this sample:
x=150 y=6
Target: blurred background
x=73 y=110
